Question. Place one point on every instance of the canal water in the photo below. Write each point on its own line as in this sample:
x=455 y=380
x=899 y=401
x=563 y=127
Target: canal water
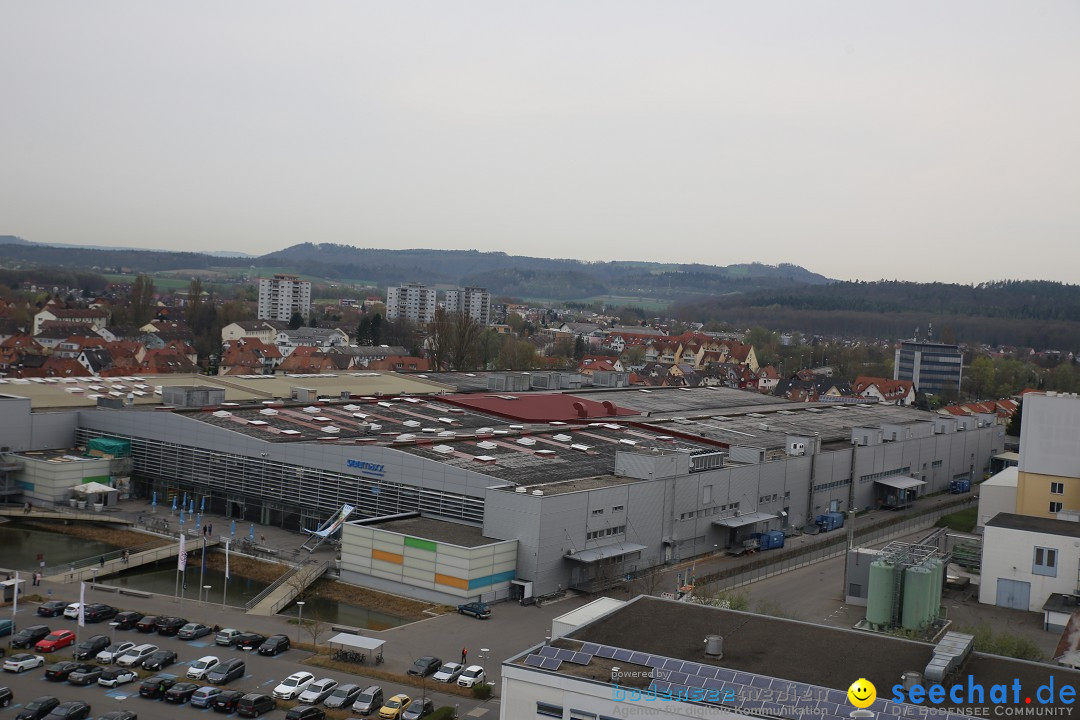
x=20 y=547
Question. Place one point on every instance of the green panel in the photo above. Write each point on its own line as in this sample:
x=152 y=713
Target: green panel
x=117 y=448
x=103 y=479
x=420 y=544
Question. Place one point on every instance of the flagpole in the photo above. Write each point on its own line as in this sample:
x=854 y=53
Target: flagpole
x=202 y=571
x=225 y=585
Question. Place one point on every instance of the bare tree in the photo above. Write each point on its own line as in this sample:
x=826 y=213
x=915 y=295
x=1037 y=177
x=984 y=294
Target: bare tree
x=454 y=341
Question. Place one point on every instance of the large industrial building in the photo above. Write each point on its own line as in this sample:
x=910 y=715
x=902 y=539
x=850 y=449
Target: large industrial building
x=931 y=367
x=655 y=658
x=507 y=494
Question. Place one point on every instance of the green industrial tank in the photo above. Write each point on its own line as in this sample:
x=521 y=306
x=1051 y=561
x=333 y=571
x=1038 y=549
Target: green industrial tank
x=917 y=590
x=937 y=574
x=879 y=596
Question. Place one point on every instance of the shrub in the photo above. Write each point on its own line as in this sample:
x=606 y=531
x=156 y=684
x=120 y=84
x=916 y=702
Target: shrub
x=481 y=691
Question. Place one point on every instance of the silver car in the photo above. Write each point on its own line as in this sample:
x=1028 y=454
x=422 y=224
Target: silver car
x=369 y=701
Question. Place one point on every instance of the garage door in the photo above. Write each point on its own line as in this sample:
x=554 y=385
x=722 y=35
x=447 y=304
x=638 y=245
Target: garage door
x=1013 y=594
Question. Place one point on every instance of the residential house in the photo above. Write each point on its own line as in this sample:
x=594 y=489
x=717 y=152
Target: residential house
x=768 y=378
x=401 y=363
x=166 y=362
x=262 y=330
x=1002 y=409
x=248 y=356
x=289 y=340
x=14 y=348
x=808 y=387
x=94 y=318
x=885 y=391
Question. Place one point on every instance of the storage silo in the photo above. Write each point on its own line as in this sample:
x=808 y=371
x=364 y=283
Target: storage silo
x=937 y=575
x=880 y=594
x=917 y=589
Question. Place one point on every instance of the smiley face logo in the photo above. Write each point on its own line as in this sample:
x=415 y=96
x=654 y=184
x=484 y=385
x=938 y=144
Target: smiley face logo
x=862 y=693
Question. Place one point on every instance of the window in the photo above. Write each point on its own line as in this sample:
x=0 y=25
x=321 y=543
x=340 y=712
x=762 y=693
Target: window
x=618 y=508
x=582 y=715
x=548 y=710
x=598 y=512
x=1045 y=562
x=1055 y=507
x=1057 y=488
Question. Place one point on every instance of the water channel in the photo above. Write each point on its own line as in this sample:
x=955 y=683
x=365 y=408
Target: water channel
x=20 y=547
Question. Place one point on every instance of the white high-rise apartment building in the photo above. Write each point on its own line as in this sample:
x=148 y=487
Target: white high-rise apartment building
x=413 y=302
x=282 y=295
x=472 y=301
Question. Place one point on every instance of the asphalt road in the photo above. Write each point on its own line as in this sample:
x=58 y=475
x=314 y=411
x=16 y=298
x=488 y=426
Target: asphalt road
x=263 y=673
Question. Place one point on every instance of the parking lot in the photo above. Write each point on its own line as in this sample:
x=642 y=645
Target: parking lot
x=263 y=674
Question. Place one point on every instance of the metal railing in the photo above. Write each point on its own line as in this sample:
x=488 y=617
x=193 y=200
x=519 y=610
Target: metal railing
x=89 y=562
x=320 y=567
x=272 y=587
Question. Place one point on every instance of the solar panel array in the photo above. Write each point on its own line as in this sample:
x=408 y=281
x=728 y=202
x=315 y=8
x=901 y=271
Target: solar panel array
x=723 y=687
x=544 y=663
x=578 y=658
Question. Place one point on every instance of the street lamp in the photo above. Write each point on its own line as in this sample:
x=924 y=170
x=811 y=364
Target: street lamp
x=207 y=588
x=300 y=619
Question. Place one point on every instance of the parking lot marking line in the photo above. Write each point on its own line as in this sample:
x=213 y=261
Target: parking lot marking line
x=267 y=682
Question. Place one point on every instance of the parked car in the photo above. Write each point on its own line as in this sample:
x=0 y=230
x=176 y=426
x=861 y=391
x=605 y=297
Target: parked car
x=155 y=688
x=318 y=691
x=227 y=671
x=227 y=637
x=111 y=653
x=147 y=624
x=476 y=609
x=226 y=702
x=170 y=625
x=343 y=696
x=126 y=620
x=204 y=697
x=6 y=696
x=255 y=704
x=91 y=646
x=180 y=693
x=59 y=671
x=56 y=640
x=425 y=666
x=293 y=685
x=23 y=661
x=275 y=645
x=7 y=626
x=159 y=660
x=249 y=641
x=448 y=673
x=71 y=612
x=70 y=710
x=136 y=655
x=472 y=675
x=368 y=701
x=85 y=674
x=120 y=715
x=38 y=708
x=28 y=636
x=418 y=708
x=392 y=709
x=202 y=667
x=52 y=608
x=192 y=631
x=305 y=712
x=115 y=677
x=99 y=612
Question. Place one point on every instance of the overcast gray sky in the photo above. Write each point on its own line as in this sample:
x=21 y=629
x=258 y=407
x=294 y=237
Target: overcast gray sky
x=912 y=140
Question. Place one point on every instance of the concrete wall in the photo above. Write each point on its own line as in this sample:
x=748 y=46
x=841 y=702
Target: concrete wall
x=1050 y=434
x=22 y=430
x=452 y=573
x=1010 y=554
x=998 y=495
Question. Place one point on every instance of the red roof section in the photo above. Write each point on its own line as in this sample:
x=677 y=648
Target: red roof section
x=538 y=407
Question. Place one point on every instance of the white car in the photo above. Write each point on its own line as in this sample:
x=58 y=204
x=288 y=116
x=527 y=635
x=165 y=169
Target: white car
x=114 y=677
x=72 y=611
x=201 y=667
x=23 y=661
x=318 y=691
x=473 y=675
x=111 y=653
x=136 y=655
x=293 y=685
x=448 y=673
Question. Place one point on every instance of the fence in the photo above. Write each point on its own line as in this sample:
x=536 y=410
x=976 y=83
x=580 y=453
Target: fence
x=89 y=562
x=769 y=564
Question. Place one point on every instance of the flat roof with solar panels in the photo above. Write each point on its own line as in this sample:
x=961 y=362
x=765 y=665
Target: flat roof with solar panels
x=768 y=667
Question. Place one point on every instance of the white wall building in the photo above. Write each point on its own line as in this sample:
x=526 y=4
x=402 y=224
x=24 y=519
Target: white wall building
x=413 y=302
x=998 y=495
x=282 y=295
x=1025 y=559
x=472 y=301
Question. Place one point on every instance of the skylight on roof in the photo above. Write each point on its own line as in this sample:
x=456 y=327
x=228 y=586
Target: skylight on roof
x=486 y=445
x=562 y=438
x=526 y=441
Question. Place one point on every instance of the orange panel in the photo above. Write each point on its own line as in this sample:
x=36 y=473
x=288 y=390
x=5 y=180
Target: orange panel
x=387 y=557
x=452 y=581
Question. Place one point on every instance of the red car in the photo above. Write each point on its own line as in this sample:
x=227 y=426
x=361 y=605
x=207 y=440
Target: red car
x=55 y=640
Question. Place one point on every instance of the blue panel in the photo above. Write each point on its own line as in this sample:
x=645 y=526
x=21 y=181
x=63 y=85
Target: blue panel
x=761 y=682
x=534 y=660
x=712 y=684
x=673 y=665
x=581 y=658
x=695 y=681
x=590 y=648
x=725 y=674
x=548 y=651
x=605 y=651
x=677 y=677
x=623 y=655
x=640 y=658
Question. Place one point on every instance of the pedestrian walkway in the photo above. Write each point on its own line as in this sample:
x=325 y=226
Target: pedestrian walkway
x=90 y=569
x=59 y=514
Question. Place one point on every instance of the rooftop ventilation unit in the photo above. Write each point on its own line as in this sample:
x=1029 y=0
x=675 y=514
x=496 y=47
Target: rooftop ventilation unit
x=581 y=448
x=331 y=429
x=486 y=445
x=443 y=449
x=411 y=423
x=526 y=441
x=268 y=411
x=562 y=438
x=538 y=492
x=522 y=490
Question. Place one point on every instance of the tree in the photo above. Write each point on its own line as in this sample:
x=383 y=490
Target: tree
x=142 y=300
x=296 y=320
x=454 y=341
x=363 y=331
x=516 y=355
x=377 y=329
x=1013 y=428
x=980 y=377
x=579 y=348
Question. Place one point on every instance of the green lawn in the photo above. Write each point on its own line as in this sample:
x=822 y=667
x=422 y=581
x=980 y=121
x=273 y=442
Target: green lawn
x=962 y=521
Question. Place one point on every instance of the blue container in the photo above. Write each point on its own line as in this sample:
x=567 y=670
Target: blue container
x=772 y=539
x=957 y=487
x=830 y=521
